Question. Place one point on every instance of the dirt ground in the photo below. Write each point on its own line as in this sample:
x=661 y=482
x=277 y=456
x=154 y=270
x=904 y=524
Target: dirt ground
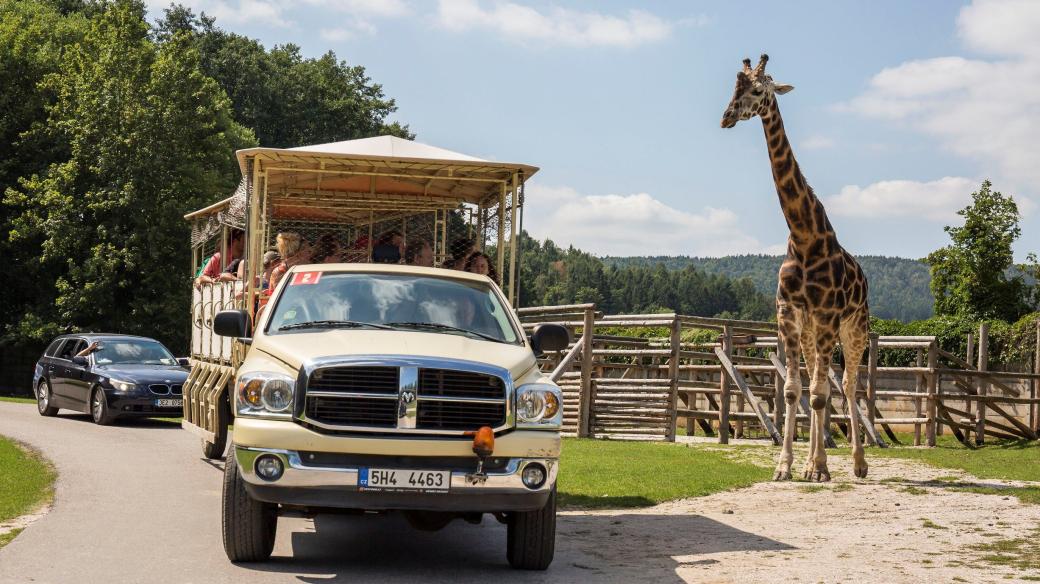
x=898 y=525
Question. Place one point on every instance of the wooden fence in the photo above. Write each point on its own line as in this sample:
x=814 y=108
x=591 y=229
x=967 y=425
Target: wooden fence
x=619 y=384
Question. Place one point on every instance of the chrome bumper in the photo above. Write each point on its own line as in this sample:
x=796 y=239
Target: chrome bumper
x=338 y=486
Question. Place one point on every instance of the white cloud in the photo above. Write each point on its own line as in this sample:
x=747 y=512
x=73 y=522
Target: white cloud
x=817 y=142
x=636 y=224
x=346 y=18
x=557 y=26
x=982 y=109
x=937 y=200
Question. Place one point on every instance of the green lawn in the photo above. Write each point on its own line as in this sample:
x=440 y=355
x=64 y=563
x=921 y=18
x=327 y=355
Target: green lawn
x=605 y=473
x=997 y=459
x=17 y=400
x=26 y=480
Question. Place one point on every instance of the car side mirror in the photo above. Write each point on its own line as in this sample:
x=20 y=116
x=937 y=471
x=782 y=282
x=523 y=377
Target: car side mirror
x=81 y=361
x=549 y=337
x=232 y=323
x=183 y=361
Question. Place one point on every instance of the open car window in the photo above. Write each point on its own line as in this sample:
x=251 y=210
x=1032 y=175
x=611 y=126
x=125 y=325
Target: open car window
x=398 y=301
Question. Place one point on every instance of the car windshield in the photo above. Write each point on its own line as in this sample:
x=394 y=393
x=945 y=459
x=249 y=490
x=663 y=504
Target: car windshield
x=132 y=351
x=314 y=300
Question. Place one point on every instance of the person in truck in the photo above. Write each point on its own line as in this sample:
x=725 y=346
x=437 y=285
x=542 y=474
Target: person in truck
x=419 y=253
x=211 y=272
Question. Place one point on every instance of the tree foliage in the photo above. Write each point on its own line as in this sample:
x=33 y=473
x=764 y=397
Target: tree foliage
x=287 y=100
x=552 y=275
x=970 y=277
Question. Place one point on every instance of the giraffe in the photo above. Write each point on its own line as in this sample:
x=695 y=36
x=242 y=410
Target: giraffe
x=821 y=294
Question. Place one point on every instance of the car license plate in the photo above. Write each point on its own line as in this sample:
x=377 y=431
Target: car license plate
x=168 y=403
x=395 y=479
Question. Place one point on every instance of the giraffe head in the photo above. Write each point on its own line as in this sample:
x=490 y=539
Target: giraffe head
x=752 y=94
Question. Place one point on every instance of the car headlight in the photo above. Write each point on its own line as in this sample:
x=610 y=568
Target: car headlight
x=540 y=406
x=122 y=385
x=265 y=393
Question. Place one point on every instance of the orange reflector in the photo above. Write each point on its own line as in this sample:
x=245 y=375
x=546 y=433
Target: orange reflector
x=483 y=441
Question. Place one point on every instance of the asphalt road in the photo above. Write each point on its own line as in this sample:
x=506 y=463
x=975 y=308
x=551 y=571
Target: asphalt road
x=135 y=502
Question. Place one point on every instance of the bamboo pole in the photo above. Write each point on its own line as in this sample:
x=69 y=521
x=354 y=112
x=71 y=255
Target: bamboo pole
x=980 y=418
x=872 y=363
x=919 y=386
x=673 y=377
x=586 y=399
x=1034 y=410
x=778 y=390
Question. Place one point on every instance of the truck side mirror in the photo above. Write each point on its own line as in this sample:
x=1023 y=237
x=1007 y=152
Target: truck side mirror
x=232 y=323
x=549 y=337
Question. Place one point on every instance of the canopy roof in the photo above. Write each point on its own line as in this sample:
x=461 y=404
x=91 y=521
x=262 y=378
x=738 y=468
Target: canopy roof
x=385 y=166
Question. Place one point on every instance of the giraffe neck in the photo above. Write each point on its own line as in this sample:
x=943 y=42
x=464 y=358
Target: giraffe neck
x=806 y=217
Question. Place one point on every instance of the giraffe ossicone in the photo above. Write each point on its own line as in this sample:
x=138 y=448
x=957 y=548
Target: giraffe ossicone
x=821 y=295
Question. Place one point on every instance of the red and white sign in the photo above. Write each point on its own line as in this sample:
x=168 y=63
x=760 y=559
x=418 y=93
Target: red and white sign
x=305 y=278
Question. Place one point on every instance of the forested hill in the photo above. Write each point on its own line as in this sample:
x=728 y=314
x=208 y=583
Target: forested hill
x=898 y=286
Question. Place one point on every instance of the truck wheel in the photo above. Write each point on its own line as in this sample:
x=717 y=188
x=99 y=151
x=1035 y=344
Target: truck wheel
x=43 y=400
x=215 y=450
x=248 y=525
x=531 y=537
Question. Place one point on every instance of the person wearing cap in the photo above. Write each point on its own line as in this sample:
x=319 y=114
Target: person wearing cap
x=419 y=253
x=460 y=249
x=388 y=248
x=211 y=272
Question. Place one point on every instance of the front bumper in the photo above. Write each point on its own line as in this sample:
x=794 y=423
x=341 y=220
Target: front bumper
x=337 y=485
x=123 y=404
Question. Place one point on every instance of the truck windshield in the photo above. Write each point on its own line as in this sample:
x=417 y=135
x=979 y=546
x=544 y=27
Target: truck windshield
x=313 y=300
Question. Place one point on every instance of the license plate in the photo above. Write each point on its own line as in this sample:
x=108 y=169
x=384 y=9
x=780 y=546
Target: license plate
x=168 y=403
x=395 y=479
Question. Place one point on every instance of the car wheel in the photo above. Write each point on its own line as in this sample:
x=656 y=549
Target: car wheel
x=531 y=537
x=248 y=525
x=43 y=399
x=99 y=408
x=215 y=450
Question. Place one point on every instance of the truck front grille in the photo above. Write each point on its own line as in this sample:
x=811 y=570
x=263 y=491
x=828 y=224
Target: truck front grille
x=345 y=398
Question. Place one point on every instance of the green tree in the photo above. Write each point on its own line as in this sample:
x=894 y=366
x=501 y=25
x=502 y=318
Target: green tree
x=970 y=276
x=287 y=100
x=148 y=136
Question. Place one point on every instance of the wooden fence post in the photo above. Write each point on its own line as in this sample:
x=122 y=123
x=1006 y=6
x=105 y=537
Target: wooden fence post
x=1034 y=409
x=727 y=347
x=673 y=378
x=778 y=388
x=872 y=364
x=980 y=418
x=586 y=401
x=933 y=387
x=919 y=387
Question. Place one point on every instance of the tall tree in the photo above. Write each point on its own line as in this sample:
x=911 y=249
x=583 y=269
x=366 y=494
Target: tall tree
x=287 y=100
x=148 y=136
x=970 y=276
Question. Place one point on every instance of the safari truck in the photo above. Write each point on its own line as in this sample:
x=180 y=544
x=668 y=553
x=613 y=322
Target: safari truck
x=357 y=386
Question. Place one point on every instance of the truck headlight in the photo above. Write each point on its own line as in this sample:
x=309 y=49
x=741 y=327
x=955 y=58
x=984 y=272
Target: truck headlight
x=265 y=393
x=539 y=405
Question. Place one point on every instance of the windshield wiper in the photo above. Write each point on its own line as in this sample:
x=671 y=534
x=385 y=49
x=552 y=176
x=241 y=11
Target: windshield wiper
x=444 y=327
x=332 y=324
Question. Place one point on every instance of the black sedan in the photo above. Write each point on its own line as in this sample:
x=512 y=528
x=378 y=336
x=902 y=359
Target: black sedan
x=108 y=376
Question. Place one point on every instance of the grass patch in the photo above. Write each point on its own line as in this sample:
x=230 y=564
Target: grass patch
x=838 y=488
x=606 y=473
x=912 y=490
x=26 y=480
x=5 y=538
x=929 y=524
x=1017 y=460
x=17 y=400
x=1020 y=553
x=1027 y=495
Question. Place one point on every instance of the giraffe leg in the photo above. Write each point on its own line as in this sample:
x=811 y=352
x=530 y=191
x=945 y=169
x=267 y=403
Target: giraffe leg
x=789 y=333
x=809 y=347
x=820 y=392
x=854 y=340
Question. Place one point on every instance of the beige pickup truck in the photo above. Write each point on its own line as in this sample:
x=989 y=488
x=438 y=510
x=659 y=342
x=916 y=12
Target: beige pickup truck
x=355 y=386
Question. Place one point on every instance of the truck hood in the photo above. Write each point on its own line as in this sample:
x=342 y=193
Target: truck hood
x=296 y=348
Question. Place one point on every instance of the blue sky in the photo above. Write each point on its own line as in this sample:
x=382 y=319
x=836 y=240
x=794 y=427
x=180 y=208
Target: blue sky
x=900 y=108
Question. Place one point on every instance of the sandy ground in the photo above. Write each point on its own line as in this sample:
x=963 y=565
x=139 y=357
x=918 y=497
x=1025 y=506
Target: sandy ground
x=135 y=503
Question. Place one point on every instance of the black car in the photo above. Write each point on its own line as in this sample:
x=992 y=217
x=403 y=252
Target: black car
x=121 y=375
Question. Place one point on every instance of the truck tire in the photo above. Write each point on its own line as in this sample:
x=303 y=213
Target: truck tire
x=215 y=450
x=531 y=537
x=248 y=525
